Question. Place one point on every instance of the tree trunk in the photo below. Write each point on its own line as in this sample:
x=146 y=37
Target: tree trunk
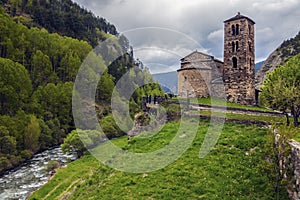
x=287 y=119
x=296 y=123
x=295 y=115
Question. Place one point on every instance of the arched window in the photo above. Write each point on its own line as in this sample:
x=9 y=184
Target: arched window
x=237 y=45
x=233 y=46
x=233 y=29
x=234 y=62
x=249 y=27
x=250 y=47
x=237 y=29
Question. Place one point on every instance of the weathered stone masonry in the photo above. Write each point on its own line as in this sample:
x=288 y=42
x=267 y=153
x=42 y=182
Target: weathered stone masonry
x=202 y=75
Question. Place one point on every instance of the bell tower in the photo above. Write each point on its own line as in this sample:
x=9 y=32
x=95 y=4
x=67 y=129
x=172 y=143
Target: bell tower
x=239 y=60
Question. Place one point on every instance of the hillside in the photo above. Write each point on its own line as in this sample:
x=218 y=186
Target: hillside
x=258 y=66
x=284 y=52
x=37 y=72
x=232 y=170
x=60 y=16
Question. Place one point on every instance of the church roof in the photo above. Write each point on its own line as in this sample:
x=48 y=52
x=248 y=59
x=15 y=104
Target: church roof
x=237 y=17
x=197 y=52
x=204 y=54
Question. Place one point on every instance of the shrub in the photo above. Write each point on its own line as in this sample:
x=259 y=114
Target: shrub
x=52 y=165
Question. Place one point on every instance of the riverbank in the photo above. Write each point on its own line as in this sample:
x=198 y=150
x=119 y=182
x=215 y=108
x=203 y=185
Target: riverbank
x=20 y=182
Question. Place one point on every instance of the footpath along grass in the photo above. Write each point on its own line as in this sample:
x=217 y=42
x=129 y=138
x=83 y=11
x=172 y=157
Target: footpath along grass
x=232 y=170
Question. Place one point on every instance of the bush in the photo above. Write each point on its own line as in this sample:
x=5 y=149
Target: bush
x=173 y=112
x=4 y=163
x=26 y=154
x=52 y=165
x=110 y=128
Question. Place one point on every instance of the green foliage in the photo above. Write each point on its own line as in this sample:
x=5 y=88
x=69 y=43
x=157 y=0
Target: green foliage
x=32 y=134
x=52 y=165
x=42 y=72
x=281 y=88
x=64 y=17
x=37 y=71
x=73 y=143
x=110 y=128
x=78 y=140
x=7 y=144
x=15 y=87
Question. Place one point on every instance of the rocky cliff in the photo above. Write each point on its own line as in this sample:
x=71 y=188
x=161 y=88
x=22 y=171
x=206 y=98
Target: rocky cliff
x=285 y=51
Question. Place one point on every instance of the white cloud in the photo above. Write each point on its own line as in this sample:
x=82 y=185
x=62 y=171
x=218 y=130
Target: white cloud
x=202 y=20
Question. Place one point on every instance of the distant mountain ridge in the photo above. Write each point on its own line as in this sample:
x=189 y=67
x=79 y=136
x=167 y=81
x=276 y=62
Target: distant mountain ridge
x=169 y=80
x=283 y=53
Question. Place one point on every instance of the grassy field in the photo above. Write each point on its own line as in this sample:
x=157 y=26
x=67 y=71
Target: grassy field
x=246 y=117
x=220 y=102
x=232 y=170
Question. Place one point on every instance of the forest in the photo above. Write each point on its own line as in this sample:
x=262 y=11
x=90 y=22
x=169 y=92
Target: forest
x=63 y=17
x=37 y=75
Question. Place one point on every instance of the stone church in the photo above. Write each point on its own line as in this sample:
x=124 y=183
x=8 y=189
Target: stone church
x=202 y=75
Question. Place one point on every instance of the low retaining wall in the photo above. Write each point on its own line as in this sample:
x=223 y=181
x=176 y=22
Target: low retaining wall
x=295 y=158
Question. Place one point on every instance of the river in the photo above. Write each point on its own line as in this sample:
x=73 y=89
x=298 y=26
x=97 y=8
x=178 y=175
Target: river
x=19 y=183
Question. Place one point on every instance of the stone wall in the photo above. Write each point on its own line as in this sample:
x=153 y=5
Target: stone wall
x=295 y=157
x=194 y=82
x=239 y=49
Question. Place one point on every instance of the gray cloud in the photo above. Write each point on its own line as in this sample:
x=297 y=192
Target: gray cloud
x=202 y=20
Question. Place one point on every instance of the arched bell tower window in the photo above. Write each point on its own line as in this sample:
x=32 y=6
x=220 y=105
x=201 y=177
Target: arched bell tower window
x=234 y=62
x=237 y=45
x=250 y=48
x=249 y=27
x=233 y=47
x=233 y=29
x=237 y=29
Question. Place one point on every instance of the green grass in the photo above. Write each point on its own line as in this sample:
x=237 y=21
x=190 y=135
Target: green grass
x=246 y=117
x=221 y=102
x=297 y=136
x=232 y=170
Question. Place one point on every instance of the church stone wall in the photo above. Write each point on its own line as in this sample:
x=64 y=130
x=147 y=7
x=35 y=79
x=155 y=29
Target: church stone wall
x=194 y=82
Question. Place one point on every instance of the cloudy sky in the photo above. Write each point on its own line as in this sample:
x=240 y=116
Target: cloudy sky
x=163 y=31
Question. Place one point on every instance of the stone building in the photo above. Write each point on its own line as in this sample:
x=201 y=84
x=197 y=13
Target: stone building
x=202 y=75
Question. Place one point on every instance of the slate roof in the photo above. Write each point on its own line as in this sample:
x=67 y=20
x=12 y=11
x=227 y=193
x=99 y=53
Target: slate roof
x=237 y=17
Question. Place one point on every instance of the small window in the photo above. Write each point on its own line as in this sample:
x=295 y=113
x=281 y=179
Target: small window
x=237 y=45
x=234 y=62
x=249 y=27
x=237 y=29
x=250 y=47
x=233 y=46
x=233 y=29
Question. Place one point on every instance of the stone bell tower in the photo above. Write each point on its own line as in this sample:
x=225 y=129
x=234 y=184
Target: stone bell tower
x=239 y=60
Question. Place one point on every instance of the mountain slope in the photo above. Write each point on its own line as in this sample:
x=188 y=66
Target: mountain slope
x=258 y=66
x=60 y=16
x=283 y=53
x=168 y=81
